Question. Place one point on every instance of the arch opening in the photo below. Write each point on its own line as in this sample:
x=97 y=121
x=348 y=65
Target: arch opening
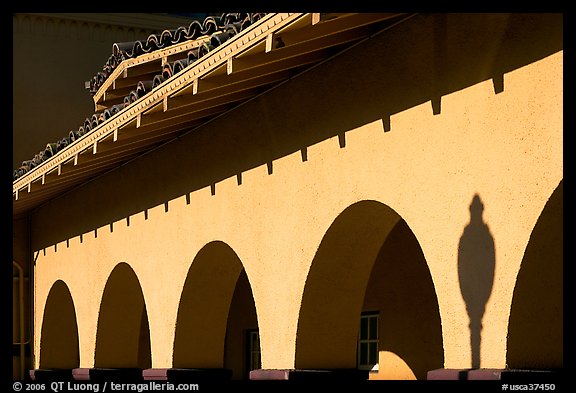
x=123 y=333
x=217 y=315
x=535 y=326
x=369 y=301
x=242 y=346
x=59 y=343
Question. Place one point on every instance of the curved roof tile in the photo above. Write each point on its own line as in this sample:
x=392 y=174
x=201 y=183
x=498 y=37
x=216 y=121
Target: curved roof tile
x=220 y=29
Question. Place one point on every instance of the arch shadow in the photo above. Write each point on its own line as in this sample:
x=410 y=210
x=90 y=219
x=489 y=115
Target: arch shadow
x=123 y=333
x=535 y=326
x=216 y=293
x=356 y=267
x=240 y=355
x=401 y=288
x=59 y=343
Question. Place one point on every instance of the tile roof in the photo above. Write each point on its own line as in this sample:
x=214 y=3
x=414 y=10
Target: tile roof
x=155 y=97
x=218 y=29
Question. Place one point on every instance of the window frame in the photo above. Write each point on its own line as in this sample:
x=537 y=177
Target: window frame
x=252 y=352
x=370 y=339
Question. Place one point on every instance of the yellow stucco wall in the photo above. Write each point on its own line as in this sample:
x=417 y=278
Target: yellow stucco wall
x=505 y=147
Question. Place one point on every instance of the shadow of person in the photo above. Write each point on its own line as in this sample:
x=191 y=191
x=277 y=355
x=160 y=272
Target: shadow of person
x=476 y=261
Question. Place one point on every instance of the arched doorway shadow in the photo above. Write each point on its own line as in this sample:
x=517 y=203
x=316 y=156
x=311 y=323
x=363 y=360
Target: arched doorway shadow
x=242 y=347
x=59 y=344
x=356 y=269
x=123 y=334
x=535 y=326
x=216 y=310
x=400 y=288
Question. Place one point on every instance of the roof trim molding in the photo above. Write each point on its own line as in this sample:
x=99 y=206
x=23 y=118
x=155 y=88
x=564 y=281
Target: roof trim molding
x=219 y=57
x=160 y=54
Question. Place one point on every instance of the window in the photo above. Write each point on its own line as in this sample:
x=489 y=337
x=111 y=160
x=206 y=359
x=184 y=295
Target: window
x=253 y=350
x=368 y=342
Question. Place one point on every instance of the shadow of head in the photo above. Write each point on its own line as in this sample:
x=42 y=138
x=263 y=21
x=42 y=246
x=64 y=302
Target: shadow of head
x=476 y=209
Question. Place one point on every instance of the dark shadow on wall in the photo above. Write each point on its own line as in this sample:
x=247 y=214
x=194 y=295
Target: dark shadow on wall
x=144 y=359
x=370 y=260
x=535 y=327
x=241 y=319
x=334 y=292
x=476 y=263
x=204 y=307
x=123 y=334
x=420 y=60
x=402 y=290
x=59 y=345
